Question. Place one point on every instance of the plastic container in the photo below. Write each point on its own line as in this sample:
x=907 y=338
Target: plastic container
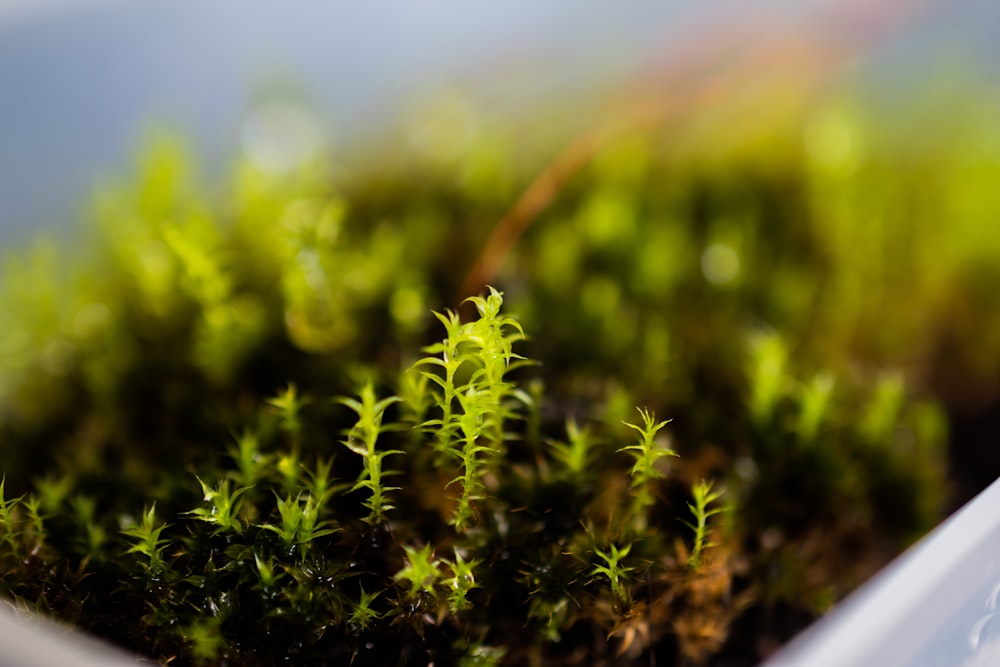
x=28 y=640
x=937 y=604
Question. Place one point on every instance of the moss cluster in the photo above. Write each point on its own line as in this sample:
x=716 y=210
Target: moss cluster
x=234 y=433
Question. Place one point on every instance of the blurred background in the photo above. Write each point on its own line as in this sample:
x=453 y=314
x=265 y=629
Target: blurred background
x=82 y=81
x=873 y=120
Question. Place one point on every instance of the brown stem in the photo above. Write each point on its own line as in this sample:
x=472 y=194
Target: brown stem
x=704 y=71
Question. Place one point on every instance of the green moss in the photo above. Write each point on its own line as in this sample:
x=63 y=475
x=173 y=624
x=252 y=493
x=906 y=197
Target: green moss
x=249 y=430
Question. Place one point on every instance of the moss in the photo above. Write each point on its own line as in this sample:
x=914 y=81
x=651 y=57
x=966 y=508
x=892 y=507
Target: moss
x=235 y=432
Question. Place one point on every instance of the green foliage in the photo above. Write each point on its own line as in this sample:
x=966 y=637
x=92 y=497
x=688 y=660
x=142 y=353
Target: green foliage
x=421 y=571
x=8 y=519
x=85 y=510
x=762 y=300
x=767 y=374
x=300 y=523
x=815 y=403
x=473 y=395
x=361 y=440
x=289 y=406
x=222 y=506
x=251 y=464
x=882 y=414
x=268 y=575
x=616 y=572
x=703 y=497
x=577 y=453
x=645 y=471
x=362 y=615
x=205 y=639
x=460 y=583
x=148 y=542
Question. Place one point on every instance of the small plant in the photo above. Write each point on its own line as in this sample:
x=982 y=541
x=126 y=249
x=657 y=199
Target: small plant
x=148 y=542
x=85 y=510
x=300 y=522
x=883 y=410
x=703 y=497
x=269 y=576
x=289 y=406
x=645 y=471
x=251 y=464
x=8 y=520
x=362 y=615
x=815 y=404
x=768 y=358
x=34 y=528
x=616 y=573
x=320 y=483
x=362 y=440
x=460 y=583
x=223 y=506
x=473 y=394
x=577 y=453
x=205 y=639
x=422 y=572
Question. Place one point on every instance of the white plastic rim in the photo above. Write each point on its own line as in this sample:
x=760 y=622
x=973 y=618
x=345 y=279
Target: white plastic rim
x=938 y=604
x=29 y=640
